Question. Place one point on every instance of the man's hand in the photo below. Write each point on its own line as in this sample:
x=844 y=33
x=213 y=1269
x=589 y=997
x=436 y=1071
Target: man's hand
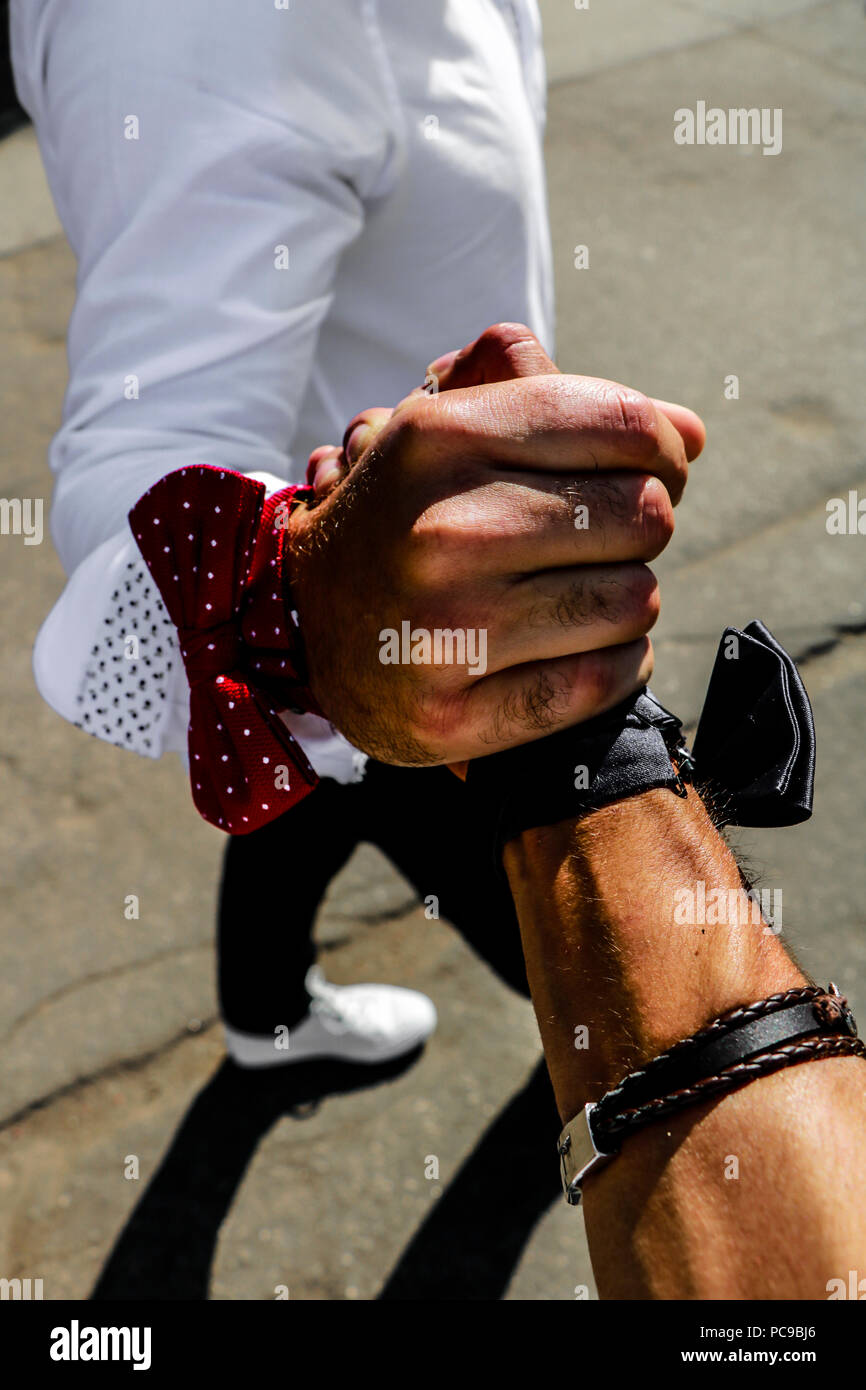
x=513 y=510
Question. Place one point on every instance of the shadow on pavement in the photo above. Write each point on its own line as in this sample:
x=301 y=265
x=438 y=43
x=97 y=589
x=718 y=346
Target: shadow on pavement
x=470 y=1243
x=166 y=1248
x=466 y=1249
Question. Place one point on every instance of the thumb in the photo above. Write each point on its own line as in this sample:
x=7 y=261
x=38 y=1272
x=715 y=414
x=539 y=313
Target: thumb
x=502 y=352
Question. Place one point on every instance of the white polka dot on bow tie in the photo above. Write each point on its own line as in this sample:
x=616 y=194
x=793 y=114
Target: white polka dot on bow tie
x=266 y=760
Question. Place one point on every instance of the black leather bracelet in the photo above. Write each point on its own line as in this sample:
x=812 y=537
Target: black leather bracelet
x=727 y=1042
x=746 y=1043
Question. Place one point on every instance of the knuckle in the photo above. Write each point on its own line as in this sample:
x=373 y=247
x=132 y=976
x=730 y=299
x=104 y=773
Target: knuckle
x=439 y=715
x=504 y=343
x=633 y=416
x=644 y=597
x=543 y=701
x=426 y=557
x=596 y=678
x=571 y=604
x=407 y=400
x=536 y=706
x=450 y=543
x=407 y=422
x=654 y=516
x=578 y=604
x=502 y=336
x=408 y=427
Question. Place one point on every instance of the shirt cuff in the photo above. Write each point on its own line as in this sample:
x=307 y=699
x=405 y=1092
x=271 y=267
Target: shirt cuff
x=107 y=660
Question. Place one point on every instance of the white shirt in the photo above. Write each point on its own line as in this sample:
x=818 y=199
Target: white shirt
x=387 y=153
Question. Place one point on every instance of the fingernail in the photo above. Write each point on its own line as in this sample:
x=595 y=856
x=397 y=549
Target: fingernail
x=327 y=474
x=442 y=363
x=356 y=442
x=315 y=459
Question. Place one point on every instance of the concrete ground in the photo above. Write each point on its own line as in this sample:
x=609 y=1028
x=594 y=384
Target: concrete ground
x=704 y=262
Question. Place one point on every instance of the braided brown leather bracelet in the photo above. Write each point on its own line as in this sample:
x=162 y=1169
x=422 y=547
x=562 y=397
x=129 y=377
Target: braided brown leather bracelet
x=798 y=1025
x=737 y=1075
x=722 y=1048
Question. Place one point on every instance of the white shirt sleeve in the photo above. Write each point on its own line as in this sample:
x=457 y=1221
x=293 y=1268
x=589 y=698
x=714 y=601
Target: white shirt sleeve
x=107 y=659
x=210 y=163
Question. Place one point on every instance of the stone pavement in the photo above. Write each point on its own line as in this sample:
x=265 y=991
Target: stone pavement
x=704 y=262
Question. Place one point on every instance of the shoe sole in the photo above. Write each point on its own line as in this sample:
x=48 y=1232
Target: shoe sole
x=258 y=1054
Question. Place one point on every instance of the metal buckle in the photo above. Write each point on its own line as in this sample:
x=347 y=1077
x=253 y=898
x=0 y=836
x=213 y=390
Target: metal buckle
x=578 y=1155
x=683 y=765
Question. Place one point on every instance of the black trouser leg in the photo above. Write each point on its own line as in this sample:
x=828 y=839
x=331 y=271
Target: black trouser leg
x=275 y=879
x=422 y=819
x=272 y=884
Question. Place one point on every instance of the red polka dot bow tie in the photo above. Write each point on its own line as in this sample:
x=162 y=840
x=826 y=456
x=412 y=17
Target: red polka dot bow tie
x=217 y=552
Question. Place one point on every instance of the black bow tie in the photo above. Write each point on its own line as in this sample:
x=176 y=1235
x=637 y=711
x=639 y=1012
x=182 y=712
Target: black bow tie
x=753 y=753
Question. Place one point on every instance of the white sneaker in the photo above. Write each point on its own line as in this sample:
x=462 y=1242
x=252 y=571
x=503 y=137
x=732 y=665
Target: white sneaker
x=354 y=1023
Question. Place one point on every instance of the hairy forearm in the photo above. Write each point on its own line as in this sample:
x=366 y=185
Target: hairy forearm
x=673 y=1216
